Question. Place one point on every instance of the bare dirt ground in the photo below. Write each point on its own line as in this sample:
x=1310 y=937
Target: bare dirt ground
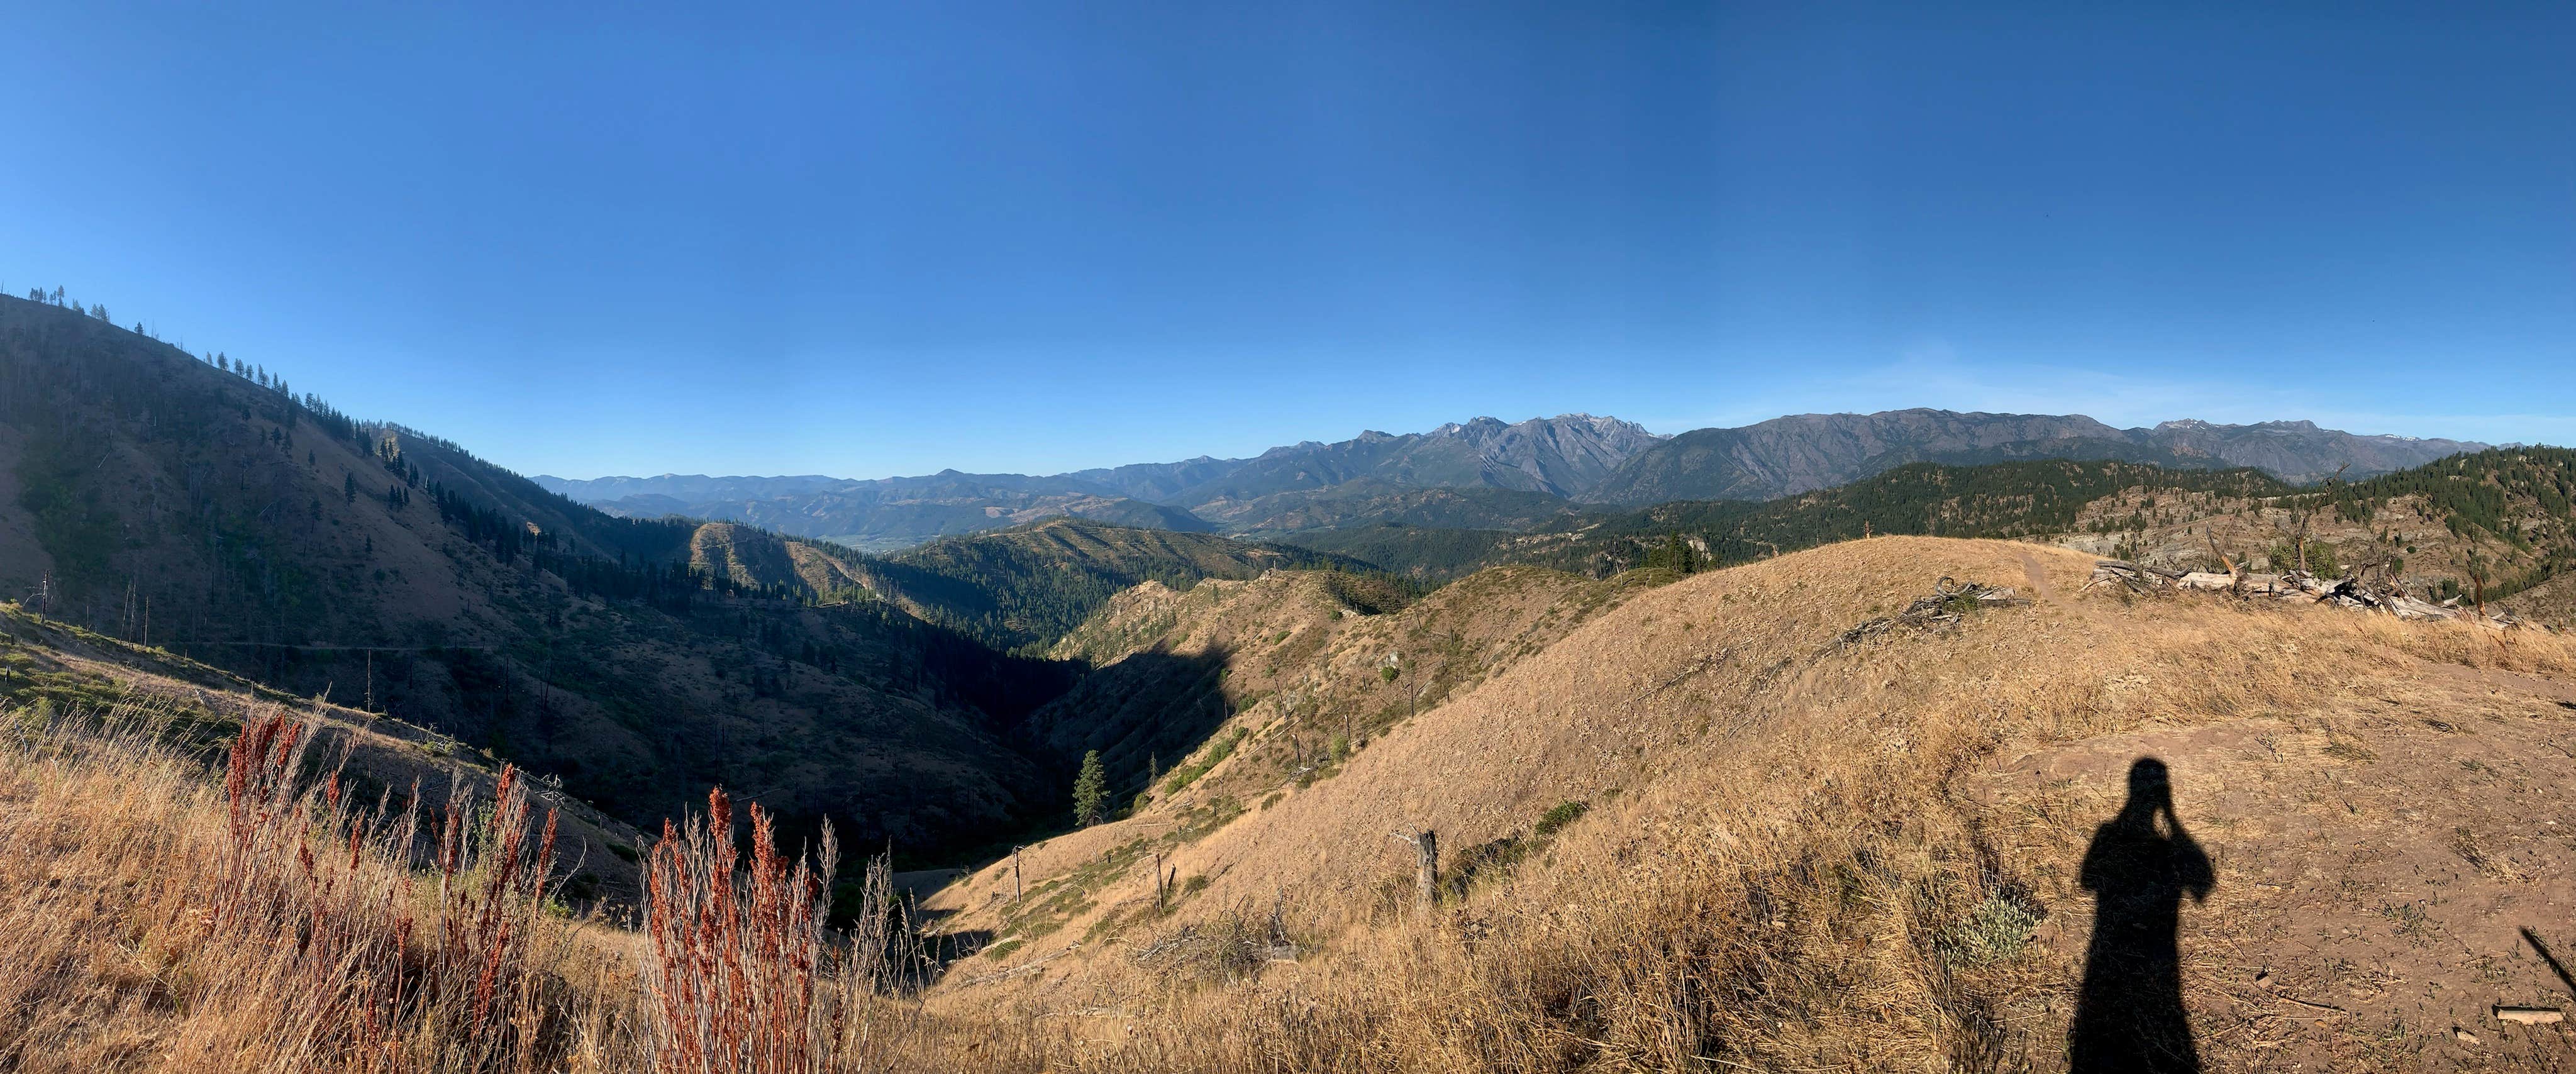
x=2384 y=875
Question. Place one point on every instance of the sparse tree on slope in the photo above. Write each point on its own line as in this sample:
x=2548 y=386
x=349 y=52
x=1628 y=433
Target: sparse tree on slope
x=1090 y=788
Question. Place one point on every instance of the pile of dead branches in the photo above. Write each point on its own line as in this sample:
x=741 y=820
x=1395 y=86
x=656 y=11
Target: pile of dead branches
x=1230 y=946
x=1950 y=599
x=2351 y=591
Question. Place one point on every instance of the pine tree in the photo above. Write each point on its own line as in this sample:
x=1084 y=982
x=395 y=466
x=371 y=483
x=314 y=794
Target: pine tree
x=1090 y=788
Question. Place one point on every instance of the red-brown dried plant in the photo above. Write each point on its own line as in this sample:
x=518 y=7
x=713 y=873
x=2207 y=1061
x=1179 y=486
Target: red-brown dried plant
x=378 y=987
x=737 y=973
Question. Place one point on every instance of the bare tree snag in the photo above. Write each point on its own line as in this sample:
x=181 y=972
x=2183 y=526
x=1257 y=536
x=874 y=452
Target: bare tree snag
x=1426 y=880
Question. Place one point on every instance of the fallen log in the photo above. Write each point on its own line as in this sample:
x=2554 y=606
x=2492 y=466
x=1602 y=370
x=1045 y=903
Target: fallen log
x=2530 y=1016
x=2138 y=567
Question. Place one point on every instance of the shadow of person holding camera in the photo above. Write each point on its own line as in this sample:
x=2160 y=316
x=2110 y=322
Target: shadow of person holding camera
x=2129 y=1015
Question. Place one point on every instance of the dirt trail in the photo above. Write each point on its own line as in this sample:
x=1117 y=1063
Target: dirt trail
x=2038 y=577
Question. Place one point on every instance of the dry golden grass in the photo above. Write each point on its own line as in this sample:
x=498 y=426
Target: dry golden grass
x=157 y=923
x=162 y=917
x=1788 y=863
x=1798 y=855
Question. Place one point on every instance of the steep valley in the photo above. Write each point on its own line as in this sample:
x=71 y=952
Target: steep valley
x=1736 y=782
x=159 y=499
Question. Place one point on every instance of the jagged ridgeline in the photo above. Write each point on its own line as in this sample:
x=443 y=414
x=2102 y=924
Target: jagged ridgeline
x=201 y=505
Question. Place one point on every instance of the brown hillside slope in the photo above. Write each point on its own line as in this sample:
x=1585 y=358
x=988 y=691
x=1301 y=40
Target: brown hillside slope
x=2552 y=602
x=51 y=670
x=154 y=497
x=1297 y=656
x=1807 y=855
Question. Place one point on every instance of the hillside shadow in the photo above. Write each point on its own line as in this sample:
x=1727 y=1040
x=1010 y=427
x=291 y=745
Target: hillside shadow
x=2129 y=1015
x=1146 y=714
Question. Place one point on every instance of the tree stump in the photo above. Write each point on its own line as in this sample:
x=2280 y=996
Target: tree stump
x=1426 y=879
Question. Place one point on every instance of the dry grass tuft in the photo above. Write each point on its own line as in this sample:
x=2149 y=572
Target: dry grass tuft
x=165 y=917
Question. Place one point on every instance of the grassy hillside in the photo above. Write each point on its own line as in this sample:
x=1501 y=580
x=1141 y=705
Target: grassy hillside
x=1024 y=588
x=1700 y=828
x=54 y=672
x=149 y=495
x=1294 y=666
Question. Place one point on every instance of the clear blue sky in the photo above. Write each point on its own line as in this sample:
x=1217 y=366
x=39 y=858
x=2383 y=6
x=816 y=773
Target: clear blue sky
x=868 y=240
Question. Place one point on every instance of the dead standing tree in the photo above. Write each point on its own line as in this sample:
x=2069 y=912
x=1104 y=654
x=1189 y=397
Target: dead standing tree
x=2303 y=513
x=1426 y=853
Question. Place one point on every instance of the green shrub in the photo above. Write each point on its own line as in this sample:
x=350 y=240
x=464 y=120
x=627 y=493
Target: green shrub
x=1557 y=817
x=1217 y=751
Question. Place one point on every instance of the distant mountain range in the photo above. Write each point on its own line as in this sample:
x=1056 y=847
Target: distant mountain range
x=1806 y=452
x=1483 y=473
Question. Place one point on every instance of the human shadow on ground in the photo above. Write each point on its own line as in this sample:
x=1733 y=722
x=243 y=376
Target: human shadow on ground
x=2129 y=1015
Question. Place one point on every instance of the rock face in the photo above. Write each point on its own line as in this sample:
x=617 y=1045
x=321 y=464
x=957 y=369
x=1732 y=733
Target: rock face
x=2298 y=451
x=1565 y=455
x=1805 y=452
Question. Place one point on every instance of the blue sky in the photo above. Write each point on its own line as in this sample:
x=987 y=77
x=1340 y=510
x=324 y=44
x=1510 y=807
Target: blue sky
x=868 y=240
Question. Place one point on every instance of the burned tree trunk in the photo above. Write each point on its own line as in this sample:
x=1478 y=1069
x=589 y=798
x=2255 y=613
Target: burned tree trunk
x=1426 y=853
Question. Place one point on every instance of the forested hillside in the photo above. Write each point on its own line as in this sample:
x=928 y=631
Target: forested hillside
x=2013 y=499
x=2496 y=522
x=198 y=504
